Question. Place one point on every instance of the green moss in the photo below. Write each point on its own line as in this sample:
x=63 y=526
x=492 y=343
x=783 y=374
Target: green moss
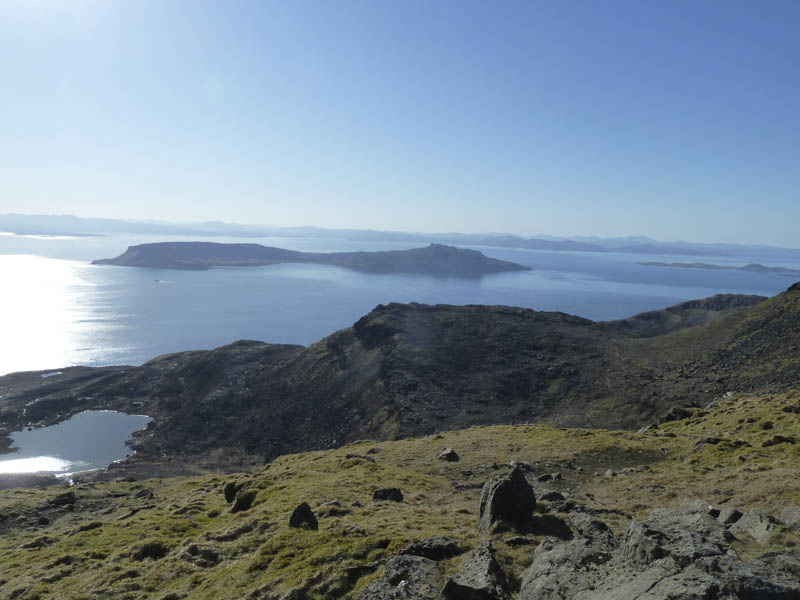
x=258 y=551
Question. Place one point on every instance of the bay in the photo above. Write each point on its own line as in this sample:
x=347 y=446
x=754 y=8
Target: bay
x=57 y=310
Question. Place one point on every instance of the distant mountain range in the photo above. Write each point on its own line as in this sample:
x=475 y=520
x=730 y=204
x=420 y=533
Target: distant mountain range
x=77 y=226
x=749 y=268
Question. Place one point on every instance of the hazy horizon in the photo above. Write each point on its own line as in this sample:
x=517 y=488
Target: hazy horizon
x=260 y=228
x=675 y=121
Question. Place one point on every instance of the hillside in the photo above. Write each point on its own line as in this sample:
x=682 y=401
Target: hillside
x=411 y=370
x=434 y=259
x=227 y=537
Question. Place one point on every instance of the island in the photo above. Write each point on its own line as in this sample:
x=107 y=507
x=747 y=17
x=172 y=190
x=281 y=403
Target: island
x=749 y=268
x=434 y=259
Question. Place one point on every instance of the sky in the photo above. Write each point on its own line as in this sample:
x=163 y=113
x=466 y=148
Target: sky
x=673 y=119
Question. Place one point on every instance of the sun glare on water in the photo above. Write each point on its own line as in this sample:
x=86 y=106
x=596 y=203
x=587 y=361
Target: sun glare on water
x=38 y=312
x=48 y=464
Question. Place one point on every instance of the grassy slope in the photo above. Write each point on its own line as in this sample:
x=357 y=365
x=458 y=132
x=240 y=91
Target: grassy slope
x=90 y=552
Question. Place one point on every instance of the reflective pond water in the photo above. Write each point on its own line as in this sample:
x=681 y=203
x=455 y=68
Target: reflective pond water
x=89 y=440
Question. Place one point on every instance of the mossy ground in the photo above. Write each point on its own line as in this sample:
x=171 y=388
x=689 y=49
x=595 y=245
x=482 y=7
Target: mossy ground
x=184 y=541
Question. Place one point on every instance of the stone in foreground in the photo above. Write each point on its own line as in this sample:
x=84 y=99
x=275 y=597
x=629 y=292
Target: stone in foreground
x=479 y=578
x=509 y=498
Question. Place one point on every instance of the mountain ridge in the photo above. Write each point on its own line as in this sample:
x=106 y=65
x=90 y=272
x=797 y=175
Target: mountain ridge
x=408 y=370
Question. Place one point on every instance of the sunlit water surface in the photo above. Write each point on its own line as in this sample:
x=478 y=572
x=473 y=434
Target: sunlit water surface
x=57 y=310
x=89 y=440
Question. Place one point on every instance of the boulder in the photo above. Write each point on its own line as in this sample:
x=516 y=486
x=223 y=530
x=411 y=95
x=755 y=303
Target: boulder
x=449 y=455
x=790 y=516
x=435 y=548
x=303 y=517
x=676 y=554
x=406 y=577
x=393 y=494
x=509 y=498
x=479 y=578
x=756 y=524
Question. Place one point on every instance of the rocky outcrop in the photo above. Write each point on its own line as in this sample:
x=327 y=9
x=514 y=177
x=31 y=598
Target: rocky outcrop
x=506 y=498
x=479 y=578
x=676 y=554
x=406 y=578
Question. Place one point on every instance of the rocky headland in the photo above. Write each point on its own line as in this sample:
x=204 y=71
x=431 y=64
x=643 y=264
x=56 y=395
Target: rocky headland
x=434 y=259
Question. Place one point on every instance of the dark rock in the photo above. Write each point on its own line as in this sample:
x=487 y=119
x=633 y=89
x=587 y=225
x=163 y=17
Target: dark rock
x=729 y=516
x=303 y=517
x=65 y=499
x=244 y=500
x=778 y=439
x=545 y=477
x=406 y=577
x=43 y=521
x=449 y=455
x=756 y=524
x=393 y=494
x=230 y=490
x=509 y=498
x=435 y=548
x=479 y=578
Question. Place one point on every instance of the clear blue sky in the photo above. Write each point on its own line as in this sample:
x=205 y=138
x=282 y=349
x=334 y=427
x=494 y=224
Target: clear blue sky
x=674 y=119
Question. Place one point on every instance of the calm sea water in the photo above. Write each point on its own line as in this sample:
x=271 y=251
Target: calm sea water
x=87 y=441
x=58 y=310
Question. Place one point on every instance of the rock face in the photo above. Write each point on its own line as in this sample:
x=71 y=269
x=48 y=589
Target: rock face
x=406 y=578
x=303 y=517
x=676 y=554
x=508 y=498
x=479 y=578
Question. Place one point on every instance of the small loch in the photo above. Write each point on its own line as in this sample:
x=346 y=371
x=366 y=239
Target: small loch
x=88 y=440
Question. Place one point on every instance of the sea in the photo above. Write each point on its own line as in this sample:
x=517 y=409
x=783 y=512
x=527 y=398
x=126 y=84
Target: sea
x=59 y=310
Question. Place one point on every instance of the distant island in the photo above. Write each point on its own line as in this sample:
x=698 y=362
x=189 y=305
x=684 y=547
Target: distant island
x=435 y=259
x=750 y=268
